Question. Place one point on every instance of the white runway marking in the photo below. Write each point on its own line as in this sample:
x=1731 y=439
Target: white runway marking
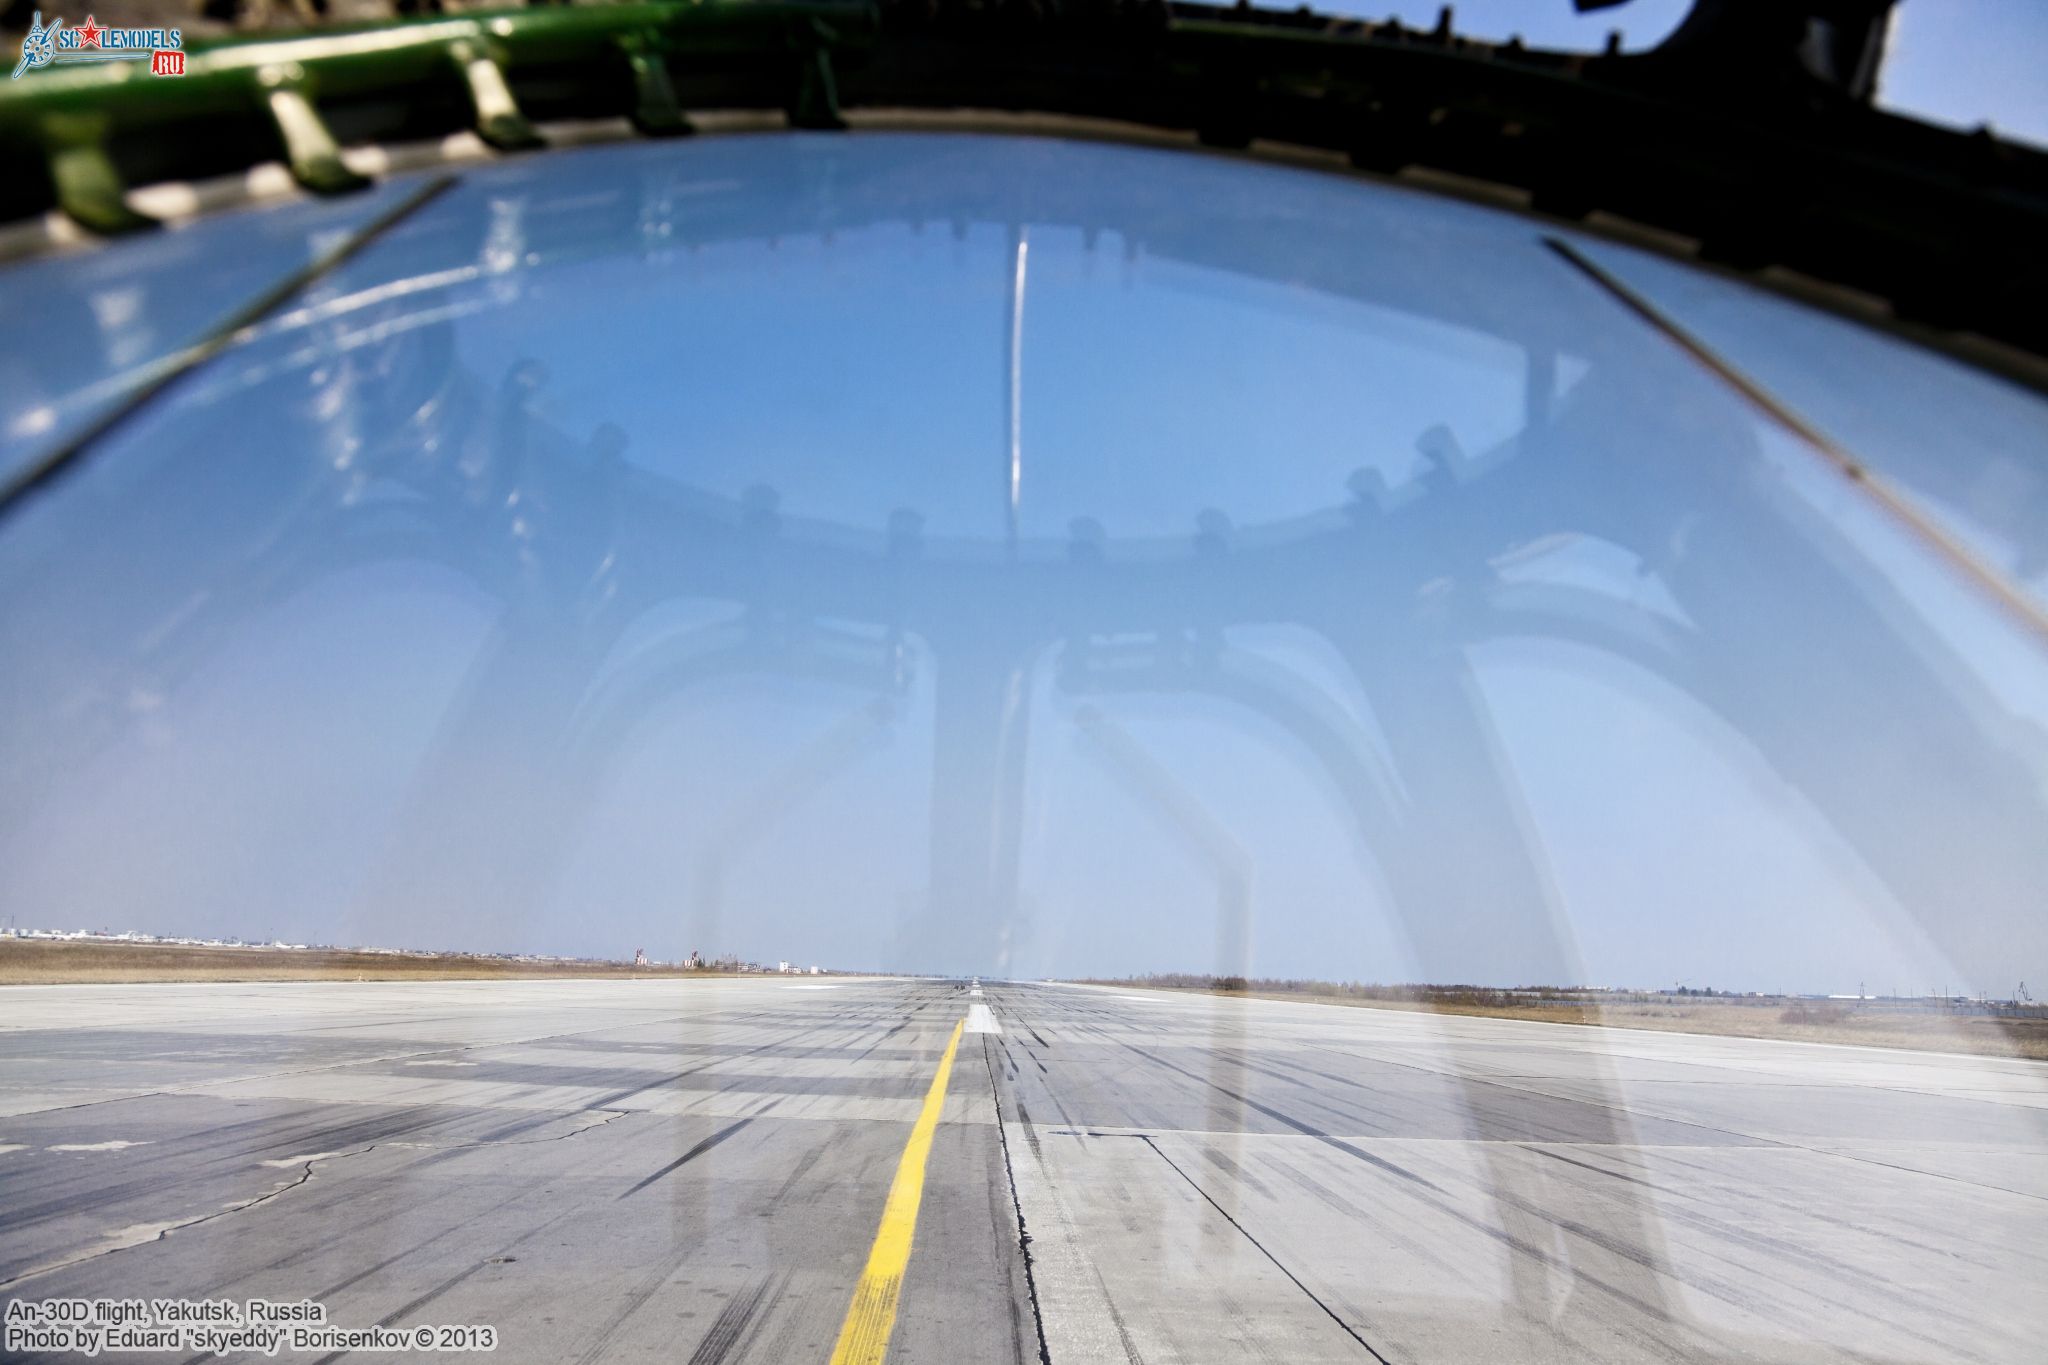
x=981 y=1020
x=114 y=1145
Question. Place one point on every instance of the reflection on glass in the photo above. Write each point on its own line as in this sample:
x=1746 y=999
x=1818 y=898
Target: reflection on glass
x=83 y=331
x=969 y=554
x=1970 y=448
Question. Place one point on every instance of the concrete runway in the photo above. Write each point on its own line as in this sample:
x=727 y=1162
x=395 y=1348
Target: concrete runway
x=695 y=1171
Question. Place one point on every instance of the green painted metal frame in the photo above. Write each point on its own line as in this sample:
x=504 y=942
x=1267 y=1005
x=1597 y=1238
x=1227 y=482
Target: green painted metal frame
x=71 y=114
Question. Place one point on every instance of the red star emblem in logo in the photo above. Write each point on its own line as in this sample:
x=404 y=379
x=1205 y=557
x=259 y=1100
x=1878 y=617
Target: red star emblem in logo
x=88 y=33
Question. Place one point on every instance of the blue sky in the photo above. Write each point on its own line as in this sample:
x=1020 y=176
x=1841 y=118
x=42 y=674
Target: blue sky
x=1970 y=62
x=1384 y=602
x=1957 y=62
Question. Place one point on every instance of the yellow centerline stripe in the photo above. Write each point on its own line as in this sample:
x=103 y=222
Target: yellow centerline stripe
x=864 y=1336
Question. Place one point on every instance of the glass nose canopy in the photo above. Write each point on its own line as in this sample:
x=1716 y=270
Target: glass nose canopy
x=977 y=554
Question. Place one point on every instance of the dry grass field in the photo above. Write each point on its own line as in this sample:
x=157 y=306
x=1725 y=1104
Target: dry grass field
x=65 y=961
x=1873 y=1025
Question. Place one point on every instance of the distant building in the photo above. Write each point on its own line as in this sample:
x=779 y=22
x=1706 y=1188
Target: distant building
x=639 y=957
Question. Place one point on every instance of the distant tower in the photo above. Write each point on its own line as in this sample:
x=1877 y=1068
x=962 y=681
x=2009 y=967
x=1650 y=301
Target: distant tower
x=639 y=957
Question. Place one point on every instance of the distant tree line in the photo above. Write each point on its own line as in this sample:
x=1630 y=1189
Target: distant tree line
x=1797 y=1009
x=1410 y=992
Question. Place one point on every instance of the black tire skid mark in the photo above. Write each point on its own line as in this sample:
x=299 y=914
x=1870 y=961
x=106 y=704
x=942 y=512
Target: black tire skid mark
x=687 y=1157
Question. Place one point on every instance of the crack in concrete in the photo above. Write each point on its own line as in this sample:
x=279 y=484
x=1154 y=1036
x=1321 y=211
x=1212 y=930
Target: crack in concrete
x=145 y=1233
